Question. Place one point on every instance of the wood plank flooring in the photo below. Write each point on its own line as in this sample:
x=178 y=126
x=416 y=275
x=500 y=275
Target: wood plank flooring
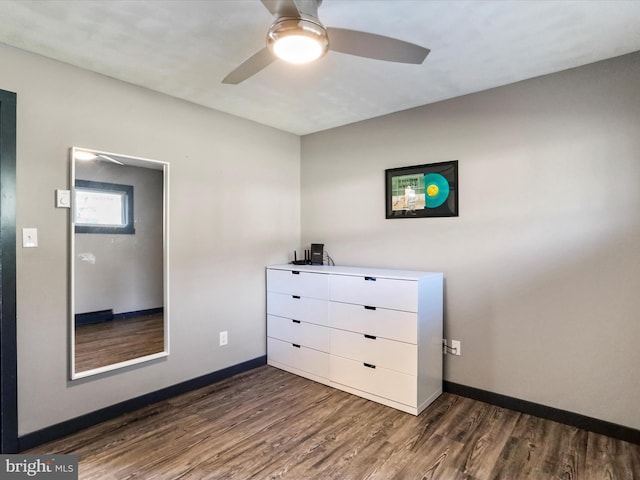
x=269 y=424
x=106 y=343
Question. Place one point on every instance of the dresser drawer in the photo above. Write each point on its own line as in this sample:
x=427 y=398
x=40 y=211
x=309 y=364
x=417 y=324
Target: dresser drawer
x=293 y=282
x=310 y=310
x=381 y=322
x=385 y=383
x=300 y=358
x=398 y=356
x=295 y=331
x=375 y=292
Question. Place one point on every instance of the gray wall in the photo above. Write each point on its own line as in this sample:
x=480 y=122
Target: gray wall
x=542 y=266
x=219 y=242
x=116 y=271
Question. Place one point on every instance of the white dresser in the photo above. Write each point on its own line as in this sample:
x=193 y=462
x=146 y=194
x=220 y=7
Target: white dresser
x=373 y=332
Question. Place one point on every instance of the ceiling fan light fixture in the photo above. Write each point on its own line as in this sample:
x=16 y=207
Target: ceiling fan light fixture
x=297 y=40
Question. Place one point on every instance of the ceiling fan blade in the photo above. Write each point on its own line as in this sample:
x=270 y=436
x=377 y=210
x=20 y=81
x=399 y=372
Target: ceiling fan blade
x=250 y=67
x=113 y=160
x=282 y=8
x=370 y=45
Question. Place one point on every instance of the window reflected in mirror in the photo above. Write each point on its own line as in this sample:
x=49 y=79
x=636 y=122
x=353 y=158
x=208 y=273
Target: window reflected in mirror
x=102 y=207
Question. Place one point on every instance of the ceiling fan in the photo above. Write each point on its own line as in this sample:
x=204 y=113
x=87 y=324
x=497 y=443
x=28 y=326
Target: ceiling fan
x=298 y=36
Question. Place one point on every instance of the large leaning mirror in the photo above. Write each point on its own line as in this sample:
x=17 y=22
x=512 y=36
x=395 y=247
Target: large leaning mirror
x=119 y=281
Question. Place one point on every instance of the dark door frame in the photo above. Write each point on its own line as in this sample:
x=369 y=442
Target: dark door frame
x=8 y=341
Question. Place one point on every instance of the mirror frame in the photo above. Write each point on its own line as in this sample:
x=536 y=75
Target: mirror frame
x=136 y=162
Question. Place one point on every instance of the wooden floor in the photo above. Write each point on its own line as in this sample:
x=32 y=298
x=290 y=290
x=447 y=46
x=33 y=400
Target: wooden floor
x=106 y=343
x=269 y=424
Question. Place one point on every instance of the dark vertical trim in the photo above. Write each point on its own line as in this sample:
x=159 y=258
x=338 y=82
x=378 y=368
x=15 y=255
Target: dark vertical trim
x=8 y=342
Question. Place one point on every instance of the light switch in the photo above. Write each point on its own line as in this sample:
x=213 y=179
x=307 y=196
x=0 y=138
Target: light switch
x=29 y=237
x=63 y=198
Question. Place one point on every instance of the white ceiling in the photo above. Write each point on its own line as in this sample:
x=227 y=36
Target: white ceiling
x=184 y=48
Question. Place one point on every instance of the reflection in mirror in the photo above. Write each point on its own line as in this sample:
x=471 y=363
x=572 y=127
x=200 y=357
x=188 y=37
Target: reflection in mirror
x=119 y=314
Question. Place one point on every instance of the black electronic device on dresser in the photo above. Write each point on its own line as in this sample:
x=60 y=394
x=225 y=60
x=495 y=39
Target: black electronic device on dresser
x=317 y=253
x=314 y=256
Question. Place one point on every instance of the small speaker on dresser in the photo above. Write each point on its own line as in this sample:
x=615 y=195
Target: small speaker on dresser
x=317 y=253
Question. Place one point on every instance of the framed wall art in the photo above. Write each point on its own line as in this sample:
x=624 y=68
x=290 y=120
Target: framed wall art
x=429 y=190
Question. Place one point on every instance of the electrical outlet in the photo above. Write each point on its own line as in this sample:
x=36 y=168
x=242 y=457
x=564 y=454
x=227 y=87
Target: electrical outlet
x=224 y=338
x=455 y=347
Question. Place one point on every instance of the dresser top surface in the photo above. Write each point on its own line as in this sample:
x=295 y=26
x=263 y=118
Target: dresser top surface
x=357 y=271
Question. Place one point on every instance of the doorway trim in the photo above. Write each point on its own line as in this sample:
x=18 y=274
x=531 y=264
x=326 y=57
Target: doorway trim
x=8 y=340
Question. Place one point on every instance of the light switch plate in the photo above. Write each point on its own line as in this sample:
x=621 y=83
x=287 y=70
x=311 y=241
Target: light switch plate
x=29 y=237
x=63 y=198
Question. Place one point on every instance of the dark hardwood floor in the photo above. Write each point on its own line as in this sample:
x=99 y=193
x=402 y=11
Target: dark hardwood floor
x=269 y=424
x=106 y=343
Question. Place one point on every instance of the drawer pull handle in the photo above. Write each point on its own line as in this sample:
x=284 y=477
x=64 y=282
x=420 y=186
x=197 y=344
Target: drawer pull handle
x=295 y=345
x=372 y=337
x=367 y=307
x=296 y=297
x=369 y=365
x=370 y=279
x=295 y=321
x=295 y=272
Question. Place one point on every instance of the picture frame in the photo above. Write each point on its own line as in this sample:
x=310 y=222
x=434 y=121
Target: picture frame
x=419 y=191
